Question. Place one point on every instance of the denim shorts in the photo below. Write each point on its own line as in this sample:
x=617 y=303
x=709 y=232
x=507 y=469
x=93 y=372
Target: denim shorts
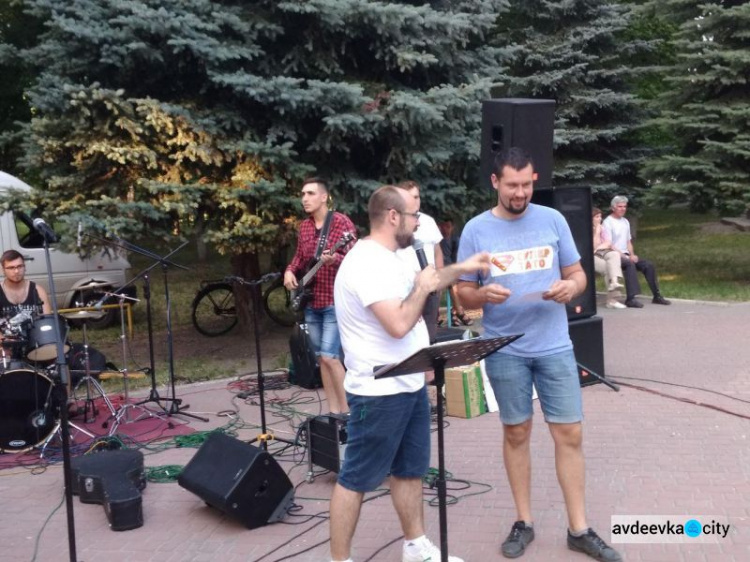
x=555 y=378
x=386 y=434
x=324 y=331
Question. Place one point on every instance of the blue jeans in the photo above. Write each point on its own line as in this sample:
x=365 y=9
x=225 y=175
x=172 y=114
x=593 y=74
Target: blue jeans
x=324 y=331
x=386 y=434
x=555 y=378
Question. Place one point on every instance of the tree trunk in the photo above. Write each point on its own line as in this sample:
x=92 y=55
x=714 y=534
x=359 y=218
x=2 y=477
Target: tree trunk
x=246 y=266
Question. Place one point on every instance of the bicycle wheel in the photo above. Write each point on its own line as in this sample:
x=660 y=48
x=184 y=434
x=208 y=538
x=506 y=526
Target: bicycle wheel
x=214 y=310
x=277 y=302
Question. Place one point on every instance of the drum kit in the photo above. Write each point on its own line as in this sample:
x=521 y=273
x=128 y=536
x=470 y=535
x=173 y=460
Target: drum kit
x=29 y=408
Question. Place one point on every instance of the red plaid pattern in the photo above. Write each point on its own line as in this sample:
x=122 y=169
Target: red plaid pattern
x=307 y=243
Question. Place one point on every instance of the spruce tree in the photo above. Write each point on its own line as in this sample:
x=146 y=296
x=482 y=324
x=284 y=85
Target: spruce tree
x=577 y=53
x=706 y=109
x=151 y=115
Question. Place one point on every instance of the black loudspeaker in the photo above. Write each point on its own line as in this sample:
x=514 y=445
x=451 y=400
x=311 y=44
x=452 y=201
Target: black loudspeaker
x=327 y=441
x=305 y=370
x=240 y=480
x=525 y=123
x=575 y=205
x=587 y=336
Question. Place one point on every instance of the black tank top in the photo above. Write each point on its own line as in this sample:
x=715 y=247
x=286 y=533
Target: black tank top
x=32 y=303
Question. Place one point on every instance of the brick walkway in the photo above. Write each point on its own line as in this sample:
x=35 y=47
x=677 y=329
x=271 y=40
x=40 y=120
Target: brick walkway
x=647 y=454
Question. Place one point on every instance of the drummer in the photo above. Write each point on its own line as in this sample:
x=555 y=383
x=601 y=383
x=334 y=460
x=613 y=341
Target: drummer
x=17 y=294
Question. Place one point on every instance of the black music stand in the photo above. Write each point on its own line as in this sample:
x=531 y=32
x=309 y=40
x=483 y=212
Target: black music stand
x=437 y=357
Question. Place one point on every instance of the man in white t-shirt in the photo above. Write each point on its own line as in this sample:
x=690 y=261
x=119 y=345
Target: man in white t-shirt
x=429 y=234
x=379 y=302
x=617 y=228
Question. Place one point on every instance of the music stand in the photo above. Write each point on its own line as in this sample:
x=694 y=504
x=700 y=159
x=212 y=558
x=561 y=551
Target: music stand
x=437 y=357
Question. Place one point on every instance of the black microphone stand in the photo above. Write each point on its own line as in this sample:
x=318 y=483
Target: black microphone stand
x=175 y=407
x=255 y=285
x=61 y=385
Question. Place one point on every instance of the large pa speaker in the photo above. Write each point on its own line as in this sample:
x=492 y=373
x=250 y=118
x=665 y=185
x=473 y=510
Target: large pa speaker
x=587 y=336
x=241 y=480
x=575 y=205
x=524 y=123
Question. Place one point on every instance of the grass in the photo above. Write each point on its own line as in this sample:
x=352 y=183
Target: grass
x=694 y=262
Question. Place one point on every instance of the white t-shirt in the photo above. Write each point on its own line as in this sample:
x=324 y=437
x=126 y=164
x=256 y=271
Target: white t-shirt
x=618 y=231
x=429 y=233
x=372 y=273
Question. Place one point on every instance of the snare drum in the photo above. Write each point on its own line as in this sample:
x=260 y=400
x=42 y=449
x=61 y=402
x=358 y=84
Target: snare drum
x=28 y=410
x=42 y=339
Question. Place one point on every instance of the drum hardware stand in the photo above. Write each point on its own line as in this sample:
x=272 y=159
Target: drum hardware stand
x=264 y=437
x=175 y=406
x=60 y=388
x=123 y=414
x=90 y=381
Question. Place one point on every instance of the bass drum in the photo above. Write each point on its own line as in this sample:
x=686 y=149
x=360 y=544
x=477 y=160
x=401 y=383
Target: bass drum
x=28 y=410
x=42 y=344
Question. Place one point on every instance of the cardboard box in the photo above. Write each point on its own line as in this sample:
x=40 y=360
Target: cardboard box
x=464 y=392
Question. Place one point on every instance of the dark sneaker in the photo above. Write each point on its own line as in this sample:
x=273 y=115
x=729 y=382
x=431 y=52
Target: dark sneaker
x=633 y=304
x=658 y=299
x=591 y=544
x=520 y=536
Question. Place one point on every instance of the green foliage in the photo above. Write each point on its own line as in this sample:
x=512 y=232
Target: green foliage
x=579 y=54
x=706 y=110
x=163 y=116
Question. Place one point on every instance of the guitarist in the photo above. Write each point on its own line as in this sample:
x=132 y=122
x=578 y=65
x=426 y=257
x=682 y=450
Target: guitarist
x=320 y=315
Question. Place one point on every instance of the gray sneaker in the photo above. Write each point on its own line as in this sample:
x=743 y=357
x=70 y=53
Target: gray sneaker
x=520 y=536
x=591 y=544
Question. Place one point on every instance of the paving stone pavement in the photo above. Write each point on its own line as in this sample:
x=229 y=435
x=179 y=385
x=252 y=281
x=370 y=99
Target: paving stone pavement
x=679 y=450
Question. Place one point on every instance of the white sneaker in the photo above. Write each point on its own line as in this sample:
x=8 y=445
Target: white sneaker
x=614 y=304
x=614 y=286
x=425 y=551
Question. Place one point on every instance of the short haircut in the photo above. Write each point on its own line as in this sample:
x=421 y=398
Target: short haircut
x=382 y=200
x=408 y=185
x=617 y=199
x=10 y=255
x=514 y=157
x=595 y=211
x=320 y=181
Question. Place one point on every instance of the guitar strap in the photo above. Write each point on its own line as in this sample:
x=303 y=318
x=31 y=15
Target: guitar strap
x=323 y=235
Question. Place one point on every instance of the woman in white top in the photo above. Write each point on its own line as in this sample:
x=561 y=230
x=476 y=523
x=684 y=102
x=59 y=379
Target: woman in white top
x=606 y=261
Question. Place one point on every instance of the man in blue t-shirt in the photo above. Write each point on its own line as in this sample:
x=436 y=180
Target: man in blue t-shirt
x=535 y=271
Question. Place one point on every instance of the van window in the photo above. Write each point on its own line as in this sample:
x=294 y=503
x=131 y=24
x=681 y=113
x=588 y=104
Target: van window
x=28 y=237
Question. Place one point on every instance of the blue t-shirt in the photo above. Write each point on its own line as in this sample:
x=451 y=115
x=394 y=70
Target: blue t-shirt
x=527 y=254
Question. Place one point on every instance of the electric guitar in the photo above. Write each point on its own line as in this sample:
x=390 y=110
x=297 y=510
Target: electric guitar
x=303 y=293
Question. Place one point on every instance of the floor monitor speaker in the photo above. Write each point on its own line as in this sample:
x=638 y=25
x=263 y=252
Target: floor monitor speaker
x=239 y=479
x=524 y=123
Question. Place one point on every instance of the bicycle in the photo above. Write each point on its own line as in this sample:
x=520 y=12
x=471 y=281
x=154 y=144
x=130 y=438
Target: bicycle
x=214 y=310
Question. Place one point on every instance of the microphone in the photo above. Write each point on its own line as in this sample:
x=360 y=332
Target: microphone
x=80 y=234
x=421 y=257
x=44 y=229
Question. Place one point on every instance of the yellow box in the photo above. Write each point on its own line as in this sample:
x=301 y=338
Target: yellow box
x=464 y=392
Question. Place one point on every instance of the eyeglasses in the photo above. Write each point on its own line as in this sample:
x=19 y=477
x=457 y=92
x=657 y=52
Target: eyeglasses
x=415 y=215
x=15 y=267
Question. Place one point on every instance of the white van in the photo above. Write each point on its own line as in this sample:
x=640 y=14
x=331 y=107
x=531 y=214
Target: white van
x=78 y=281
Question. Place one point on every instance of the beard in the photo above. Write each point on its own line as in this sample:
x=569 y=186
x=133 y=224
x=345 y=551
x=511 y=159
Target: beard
x=515 y=210
x=404 y=239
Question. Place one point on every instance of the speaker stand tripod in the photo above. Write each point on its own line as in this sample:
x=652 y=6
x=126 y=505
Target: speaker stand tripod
x=255 y=286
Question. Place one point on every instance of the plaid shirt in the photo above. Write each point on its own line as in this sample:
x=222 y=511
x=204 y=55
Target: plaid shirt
x=307 y=243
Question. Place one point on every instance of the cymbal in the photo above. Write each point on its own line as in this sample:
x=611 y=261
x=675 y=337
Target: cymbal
x=84 y=315
x=94 y=284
